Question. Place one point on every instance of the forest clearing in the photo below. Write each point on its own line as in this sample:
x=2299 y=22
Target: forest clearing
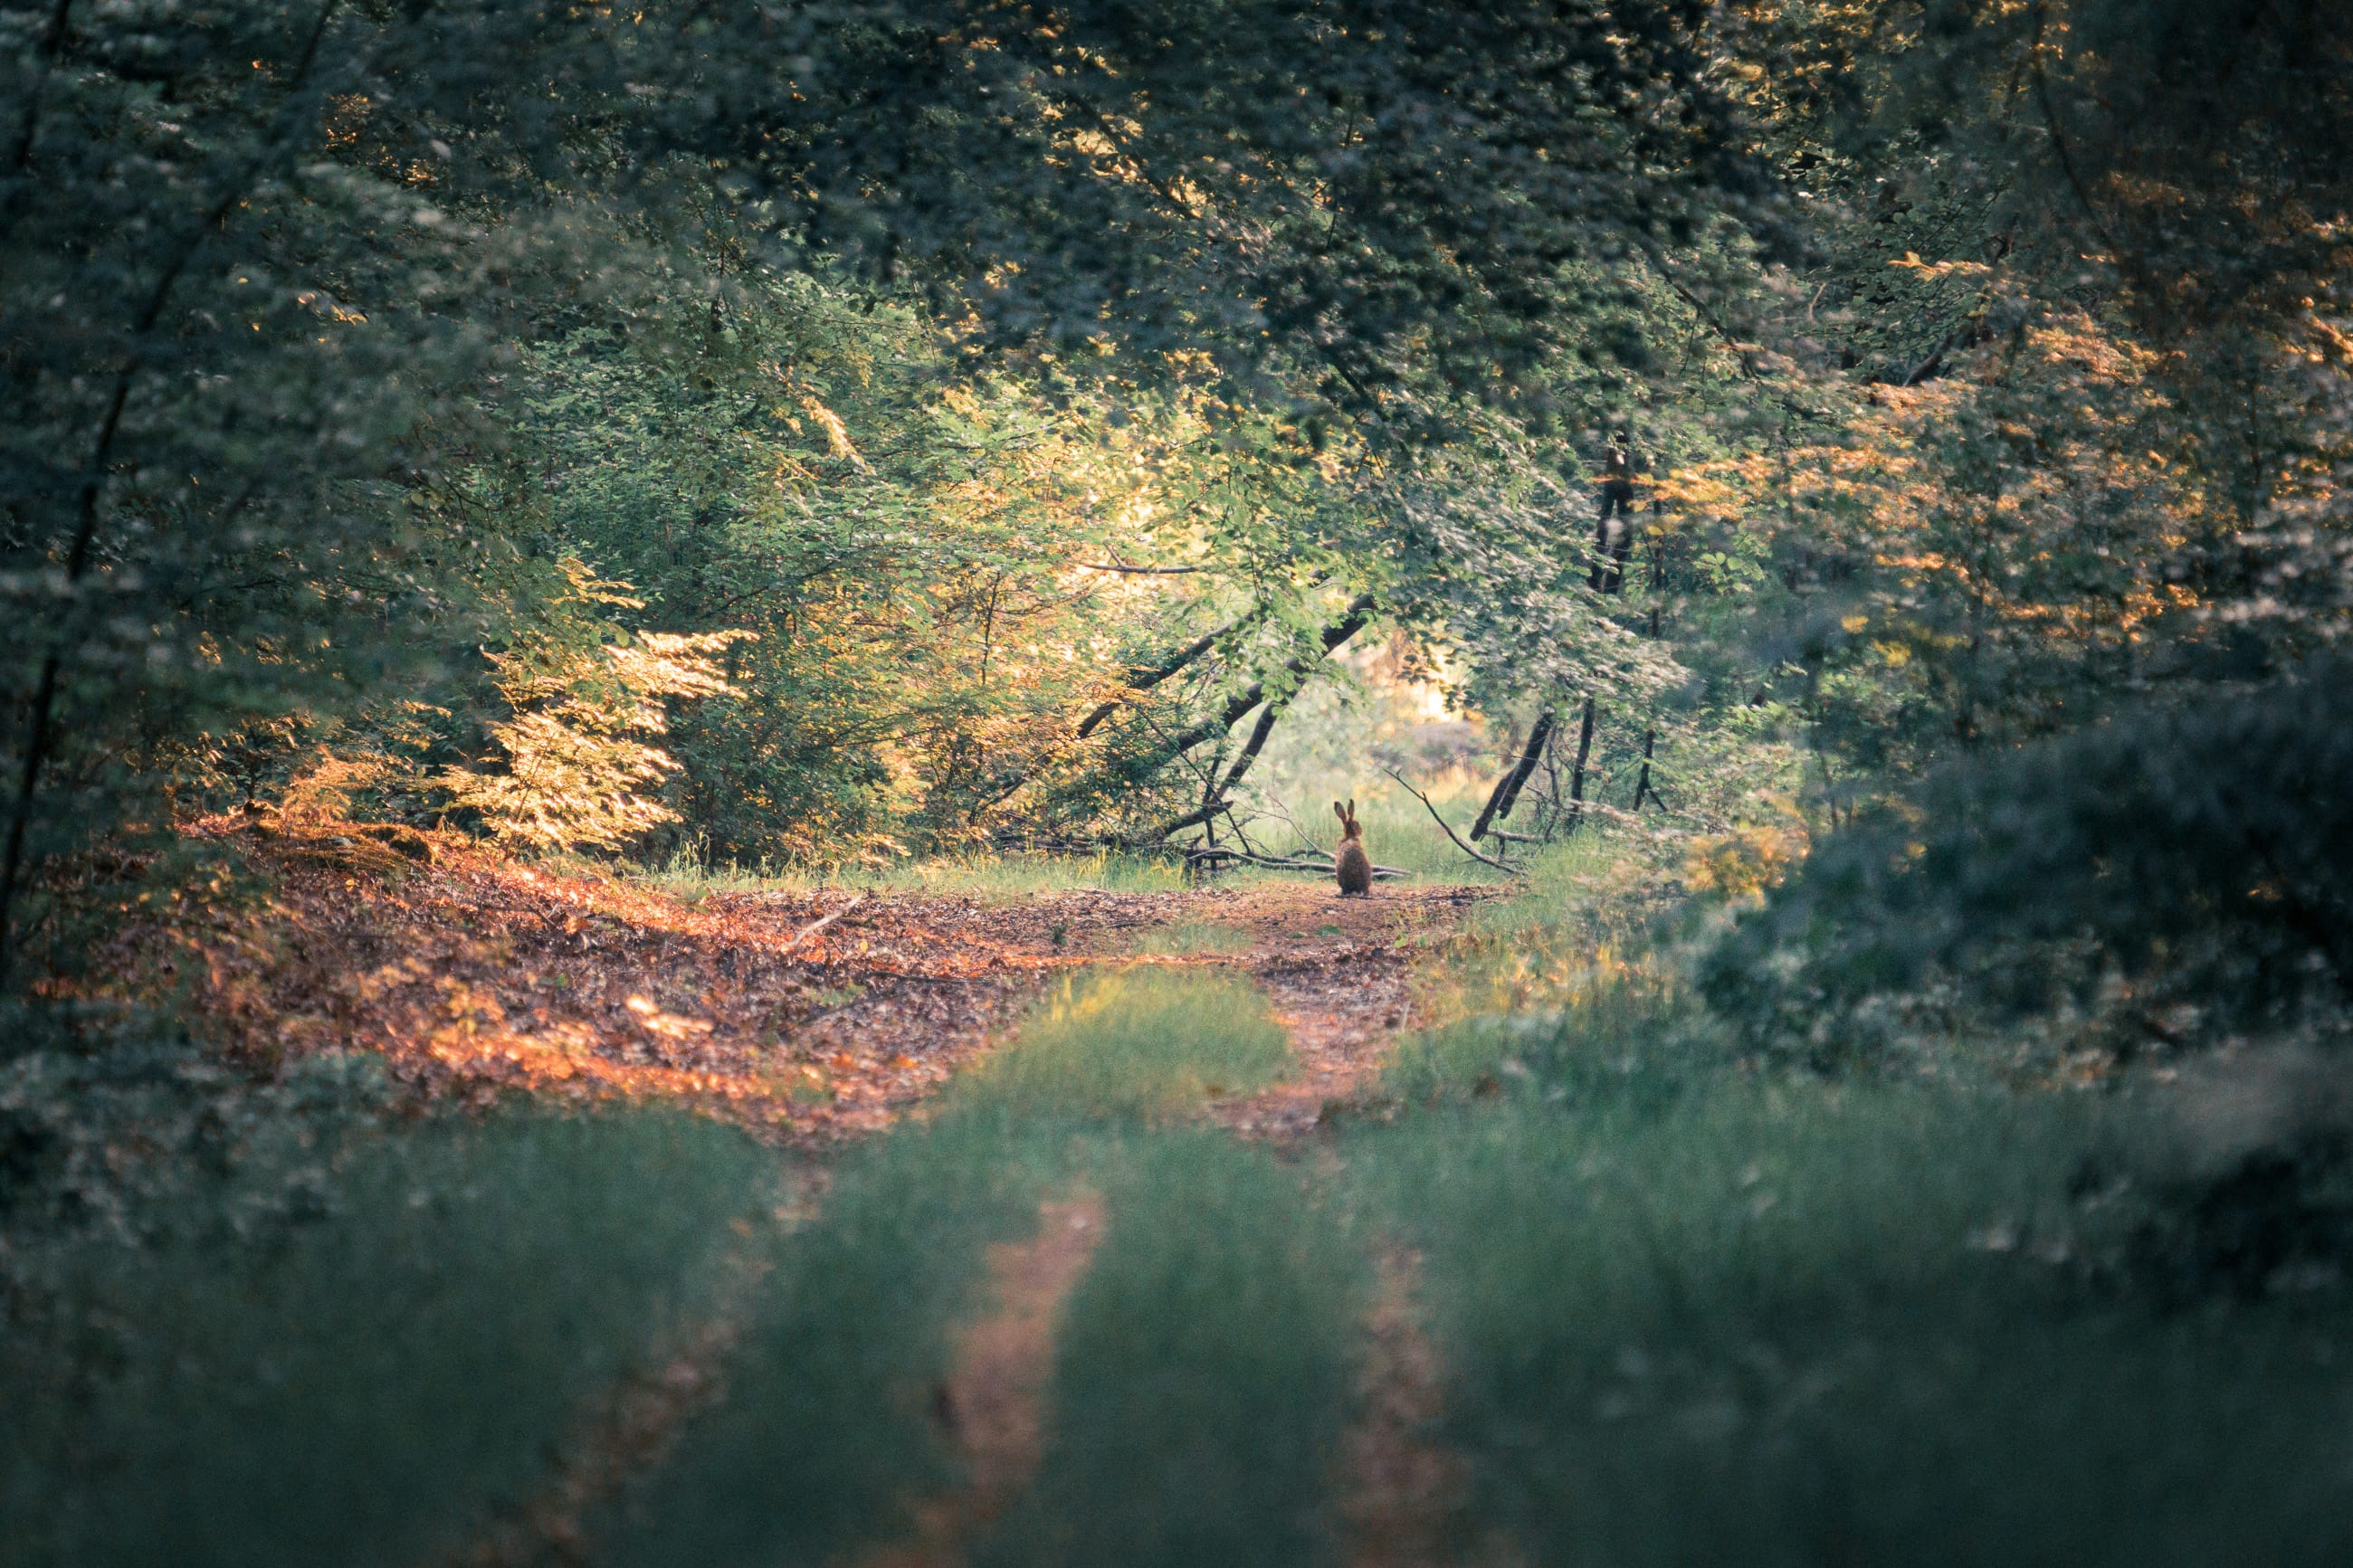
x=1176 y=784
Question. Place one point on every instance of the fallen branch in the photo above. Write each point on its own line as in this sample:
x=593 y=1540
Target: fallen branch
x=1483 y=859
x=1322 y=868
x=814 y=927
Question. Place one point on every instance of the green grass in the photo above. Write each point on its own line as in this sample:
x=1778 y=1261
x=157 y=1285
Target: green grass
x=1689 y=1310
x=1202 y=1374
x=824 y=1436
x=1698 y=1316
x=360 y=1385
x=1148 y=1043
x=1189 y=937
x=1398 y=832
x=1397 y=828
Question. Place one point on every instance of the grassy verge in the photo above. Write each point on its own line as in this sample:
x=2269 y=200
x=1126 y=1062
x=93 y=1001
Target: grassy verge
x=359 y=1381
x=1397 y=831
x=1696 y=1311
x=823 y=1437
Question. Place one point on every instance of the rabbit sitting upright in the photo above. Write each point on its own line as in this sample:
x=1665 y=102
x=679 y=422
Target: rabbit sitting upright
x=1354 y=866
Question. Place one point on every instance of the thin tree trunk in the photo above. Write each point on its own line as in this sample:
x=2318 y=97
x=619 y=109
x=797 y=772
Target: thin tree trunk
x=1612 y=545
x=40 y=732
x=1219 y=795
x=1507 y=793
x=1643 y=784
x=1577 y=771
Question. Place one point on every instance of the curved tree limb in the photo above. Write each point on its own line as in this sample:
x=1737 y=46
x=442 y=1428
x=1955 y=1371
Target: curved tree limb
x=1359 y=611
x=1143 y=678
x=1483 y=859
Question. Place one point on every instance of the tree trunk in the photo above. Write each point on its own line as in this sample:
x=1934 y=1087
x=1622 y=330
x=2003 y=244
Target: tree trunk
x=1507 y=793
x=1577 y=772
x=1643 y=784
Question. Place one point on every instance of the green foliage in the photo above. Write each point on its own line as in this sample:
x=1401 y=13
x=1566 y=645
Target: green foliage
x=327 y=330
x=2200 y=852
x=574 y=763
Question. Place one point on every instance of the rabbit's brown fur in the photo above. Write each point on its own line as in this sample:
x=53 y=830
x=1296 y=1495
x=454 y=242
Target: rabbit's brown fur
x=1353 y=866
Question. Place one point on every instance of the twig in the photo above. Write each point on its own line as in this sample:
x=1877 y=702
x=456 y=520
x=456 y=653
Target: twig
x=1483 y=859
x=814 y=927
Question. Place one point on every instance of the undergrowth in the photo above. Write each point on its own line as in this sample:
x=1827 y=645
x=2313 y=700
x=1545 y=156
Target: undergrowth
x=358 y=1379
x=1202 y=1371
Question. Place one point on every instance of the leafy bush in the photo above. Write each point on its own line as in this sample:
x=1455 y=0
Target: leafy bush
x=2201 y=855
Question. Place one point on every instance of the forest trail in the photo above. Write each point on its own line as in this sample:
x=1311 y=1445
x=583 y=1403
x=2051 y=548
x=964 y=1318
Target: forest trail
x=992 y=1403
x=473 y=975
x=818 y=1018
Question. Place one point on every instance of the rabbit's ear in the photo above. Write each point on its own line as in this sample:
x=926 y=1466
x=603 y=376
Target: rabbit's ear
x=1352 y=813
x=1340 y=812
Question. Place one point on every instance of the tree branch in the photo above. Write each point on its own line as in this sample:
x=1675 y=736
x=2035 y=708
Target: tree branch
x=1340 y=631
x=1145 y=678
x=1483 y=859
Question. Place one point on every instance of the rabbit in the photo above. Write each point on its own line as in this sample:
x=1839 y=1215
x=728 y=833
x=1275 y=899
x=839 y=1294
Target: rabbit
x=1354 y=866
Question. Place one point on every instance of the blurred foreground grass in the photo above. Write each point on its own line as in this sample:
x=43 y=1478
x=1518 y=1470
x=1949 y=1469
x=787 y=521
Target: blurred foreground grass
x=357 y=1380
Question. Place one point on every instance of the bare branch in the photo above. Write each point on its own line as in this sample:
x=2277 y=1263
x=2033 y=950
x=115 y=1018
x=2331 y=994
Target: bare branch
x=1483 y=859
x=811 y=929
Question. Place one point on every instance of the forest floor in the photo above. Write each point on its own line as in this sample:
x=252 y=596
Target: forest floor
x=810 y=1015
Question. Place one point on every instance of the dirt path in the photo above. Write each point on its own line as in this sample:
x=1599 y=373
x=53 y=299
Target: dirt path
x=1339 y=973
x=993 y=1405
x=475 y=974
x=1402 y=1496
